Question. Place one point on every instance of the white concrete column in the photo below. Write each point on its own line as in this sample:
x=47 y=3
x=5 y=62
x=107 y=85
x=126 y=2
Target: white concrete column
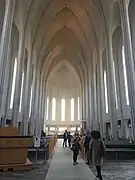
x=32 y=118
x=68 y=109
x=20 y=61
x=101 y=107
x=36 y=113
x=27 y=95
x=121 y=91
x=6 y=92
x=128 y=59
x=87 y=102
x=9 y=87
x=43 y=105
x=5 y=44
x=40 y=106
x=92 y=100
x=83 y=104
x=58 y=109
x=94 y=94
x=111 y=88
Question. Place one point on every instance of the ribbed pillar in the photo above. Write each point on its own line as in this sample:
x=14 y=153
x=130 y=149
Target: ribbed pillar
x=121 y=91
x=58 y=109
x=27 y=95
x=43 y=106
x=94 y=91
x=87 y=103
x=92 y=100
x=68 y=109
x=20 y=61
x=36 y=113
x=111 y=88
x=40 y=106
x=128 y=59
x=34 y=84
x=6 y=88
x=5 y=45
x=83 y=104
x=101 y=107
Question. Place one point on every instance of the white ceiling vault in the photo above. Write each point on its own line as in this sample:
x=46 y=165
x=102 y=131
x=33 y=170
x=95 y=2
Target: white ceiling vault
x=63 y=34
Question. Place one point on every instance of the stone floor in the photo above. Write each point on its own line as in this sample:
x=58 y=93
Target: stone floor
x=61 y=166
x=118 y=170
x=36 y=174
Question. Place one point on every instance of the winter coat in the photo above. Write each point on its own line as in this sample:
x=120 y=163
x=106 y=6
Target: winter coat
x=87 y=142
x=97 y=149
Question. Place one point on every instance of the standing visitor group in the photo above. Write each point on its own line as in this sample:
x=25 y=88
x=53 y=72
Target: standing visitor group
x=93 y=145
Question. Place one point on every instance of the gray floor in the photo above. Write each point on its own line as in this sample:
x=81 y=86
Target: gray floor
x=119 y=170
x=62 y=168
x=62 y=161
x=36 y=174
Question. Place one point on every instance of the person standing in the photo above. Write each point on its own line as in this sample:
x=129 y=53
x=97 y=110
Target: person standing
x=75 y=148
x=65 y=137
x=97 y=149
x=86 y=146
x=69 y=139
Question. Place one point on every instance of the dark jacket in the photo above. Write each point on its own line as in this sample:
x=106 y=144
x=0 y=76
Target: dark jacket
x=87 y=142
x=69 y=137
x=76 y=147
x=65 y=136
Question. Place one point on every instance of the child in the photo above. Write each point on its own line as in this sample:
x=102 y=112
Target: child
x=75 y=148
x=97 y=149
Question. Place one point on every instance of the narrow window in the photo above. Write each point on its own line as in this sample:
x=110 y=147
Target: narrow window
x=21 y=92
x=53 y=109
x=78 y=108
x=63 y=110
x=13 y=84
x=72 y=109
x=30 y=101
x=47 y=108
x=116 y=97
x=125 y=76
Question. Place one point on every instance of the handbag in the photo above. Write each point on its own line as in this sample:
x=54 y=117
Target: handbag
x=73 y=147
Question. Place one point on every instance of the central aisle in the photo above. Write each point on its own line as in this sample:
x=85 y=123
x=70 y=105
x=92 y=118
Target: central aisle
x=62 y=168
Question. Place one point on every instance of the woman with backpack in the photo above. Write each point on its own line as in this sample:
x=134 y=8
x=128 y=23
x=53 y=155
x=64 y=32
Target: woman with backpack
x=97 y=149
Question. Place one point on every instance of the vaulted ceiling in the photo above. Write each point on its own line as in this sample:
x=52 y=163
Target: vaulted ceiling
x=63 y=30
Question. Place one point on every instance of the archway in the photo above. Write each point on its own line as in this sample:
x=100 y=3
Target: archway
x=63 y=90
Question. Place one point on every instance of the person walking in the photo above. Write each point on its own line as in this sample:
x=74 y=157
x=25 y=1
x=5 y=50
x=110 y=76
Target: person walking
x=97 y=149
x=69 y=139
x=86 y=146
x=65 y=137
x=75 y=148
